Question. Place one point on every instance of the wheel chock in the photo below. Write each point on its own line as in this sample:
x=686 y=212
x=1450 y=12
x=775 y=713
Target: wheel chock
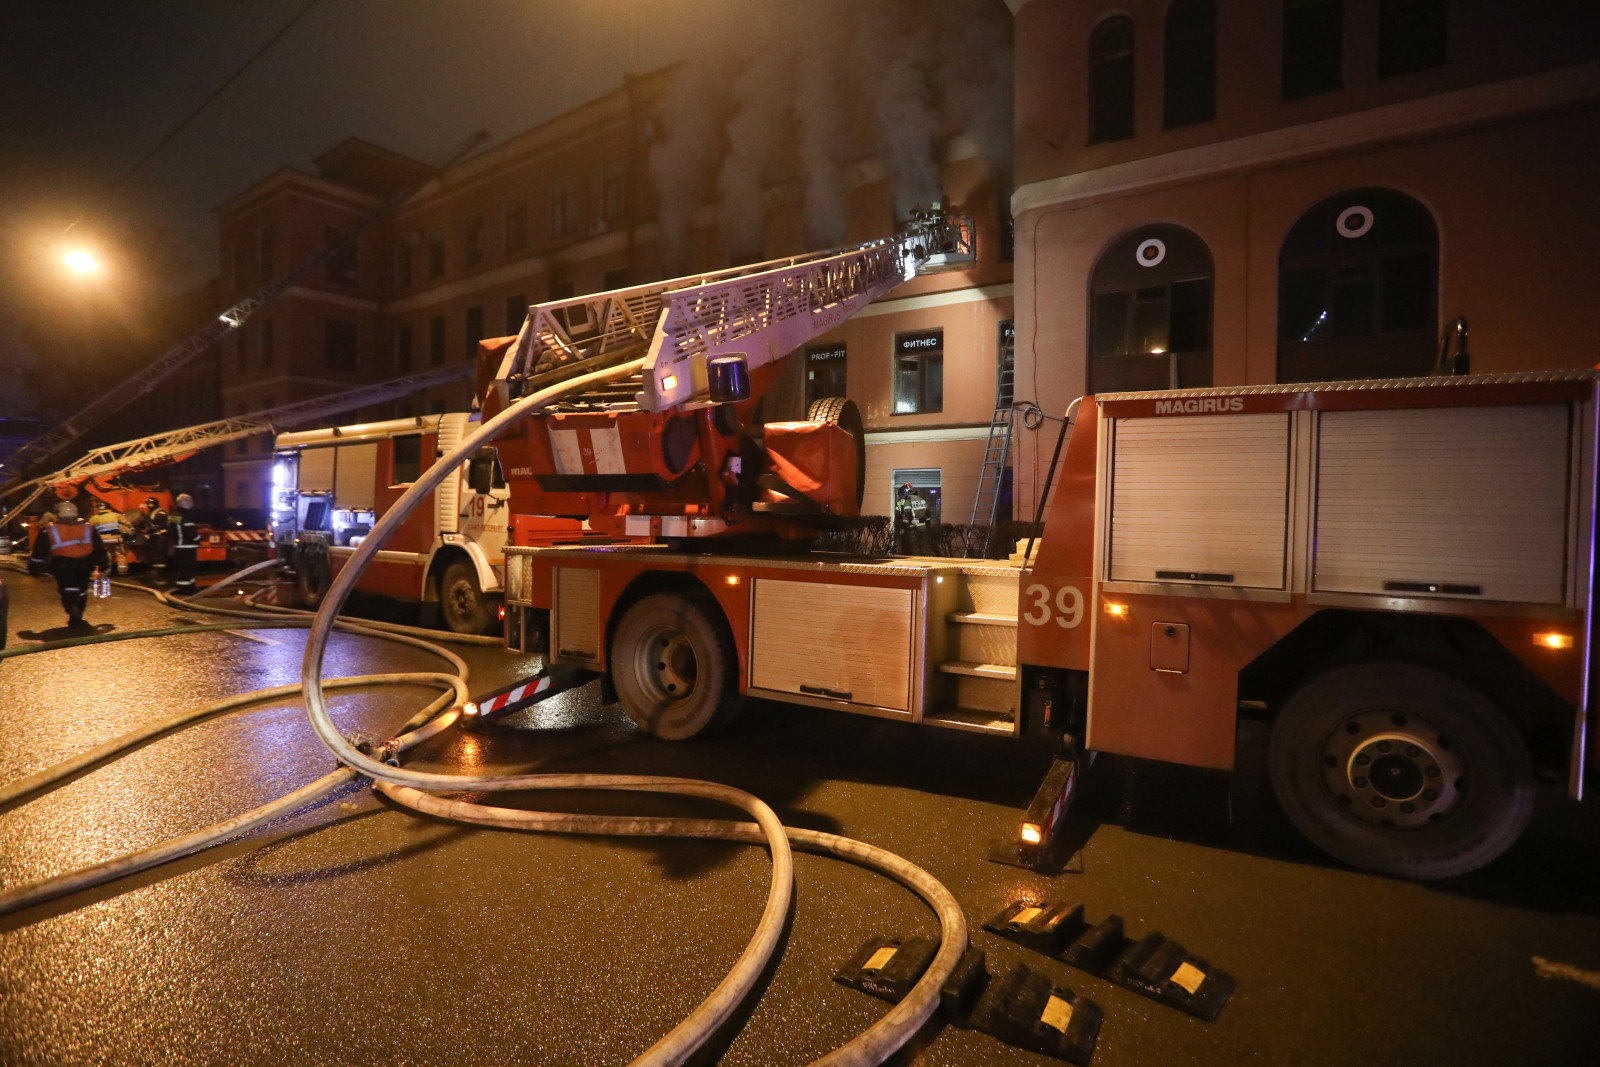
x=1154 y=967
x=1025 y=1009
x=1039 y=843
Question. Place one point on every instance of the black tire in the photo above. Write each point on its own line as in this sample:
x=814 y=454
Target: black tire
x=843 y=413
x=674 y=666
x=1401 y=769
x=462 y=606
x=312 y=577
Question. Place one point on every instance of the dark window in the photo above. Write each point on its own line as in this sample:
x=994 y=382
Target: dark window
x=242 y=491
x=614 y=279
x=1150 y=312
x=241 y=264
x=436 y=340
x=1005 y=363
x=516 y=225
x=472 y=241
x=1008 y=228
x=268 y=343
x=435 y=255
x=1411 y=35
x=241 y=350
x=614 y=190
x=473 y=333
x=1189 y=64
x=919 y=372
x=266 y=439
x=264 y=248
x=402 y=266
x=403 y=357
x=563 y=208
x=342 y=267
x=1313 y=47
x=916 y=496
x=825 y=371
x=1357 y=289
x=407 y=459
x=564 y=290
x=339 y=345
x=1111 y=80
x=516 y=311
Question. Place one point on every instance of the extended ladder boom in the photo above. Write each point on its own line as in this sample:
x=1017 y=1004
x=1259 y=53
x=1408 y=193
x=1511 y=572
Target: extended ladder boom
x=173 y=445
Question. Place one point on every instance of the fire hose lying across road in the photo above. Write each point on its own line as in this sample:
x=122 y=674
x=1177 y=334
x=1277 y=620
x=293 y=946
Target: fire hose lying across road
x=415 y=789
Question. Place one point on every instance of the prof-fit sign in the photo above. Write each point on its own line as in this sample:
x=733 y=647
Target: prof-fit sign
x=825 y=353
x=918 y=343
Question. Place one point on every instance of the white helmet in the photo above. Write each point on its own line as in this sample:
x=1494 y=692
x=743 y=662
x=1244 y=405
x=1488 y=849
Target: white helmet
x=66 y=510
x=184 y=501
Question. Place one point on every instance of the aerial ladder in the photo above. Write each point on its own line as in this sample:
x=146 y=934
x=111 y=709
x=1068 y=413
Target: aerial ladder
x=681 y=447
x=173 y=446
x=36 y=453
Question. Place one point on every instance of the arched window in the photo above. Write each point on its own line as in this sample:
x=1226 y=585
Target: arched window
x=1111 y=80
x=1358 y=279
x=1150 y=312
x=1189 y=64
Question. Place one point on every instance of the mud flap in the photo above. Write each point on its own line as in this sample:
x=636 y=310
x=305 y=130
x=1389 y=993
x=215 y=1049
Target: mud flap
x=1154 y=967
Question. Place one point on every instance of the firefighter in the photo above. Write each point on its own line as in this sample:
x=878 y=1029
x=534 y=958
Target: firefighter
x=108 y=523
x=185 y=545
x=73 y=553
x=910 y=508
x=159 y=534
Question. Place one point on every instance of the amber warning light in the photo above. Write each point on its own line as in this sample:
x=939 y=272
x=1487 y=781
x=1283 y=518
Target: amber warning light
x=1031 y=833
x=1116 y=609
x=1553 y=640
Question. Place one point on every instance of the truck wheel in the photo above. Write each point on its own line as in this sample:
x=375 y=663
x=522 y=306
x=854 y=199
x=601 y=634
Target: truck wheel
x=312 y=579
x=844 y=414
x=1401 y=769
x=674 y=666
x=462 y=603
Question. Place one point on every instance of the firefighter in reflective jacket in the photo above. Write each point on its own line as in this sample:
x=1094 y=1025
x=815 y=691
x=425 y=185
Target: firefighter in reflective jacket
x=185 y=545
x=108 y=523
x=73 y=553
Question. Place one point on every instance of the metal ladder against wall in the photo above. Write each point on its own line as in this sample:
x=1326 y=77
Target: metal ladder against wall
x=996 y=453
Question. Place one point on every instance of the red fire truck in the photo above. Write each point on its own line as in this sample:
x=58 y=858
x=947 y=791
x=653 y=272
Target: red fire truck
x=332 y=485
x=1396 y=573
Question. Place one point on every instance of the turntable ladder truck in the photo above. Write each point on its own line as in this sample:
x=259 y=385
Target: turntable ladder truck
x=1396 y=574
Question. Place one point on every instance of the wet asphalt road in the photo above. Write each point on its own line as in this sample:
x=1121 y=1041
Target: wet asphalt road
x=358 y=933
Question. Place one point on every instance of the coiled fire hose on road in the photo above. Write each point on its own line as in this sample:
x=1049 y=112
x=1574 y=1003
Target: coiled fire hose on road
x=413 y=789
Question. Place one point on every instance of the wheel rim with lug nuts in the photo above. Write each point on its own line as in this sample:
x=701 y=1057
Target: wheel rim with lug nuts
x=670 y=664
x=1393 y=770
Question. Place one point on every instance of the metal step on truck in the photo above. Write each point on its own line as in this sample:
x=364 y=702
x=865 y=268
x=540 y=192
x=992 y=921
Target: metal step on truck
x=332 y=485
x=1395 y=574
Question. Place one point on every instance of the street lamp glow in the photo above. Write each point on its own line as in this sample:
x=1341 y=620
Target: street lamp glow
x=81 y=262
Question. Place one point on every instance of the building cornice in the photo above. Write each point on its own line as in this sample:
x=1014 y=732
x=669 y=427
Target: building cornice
x=970 y=295
x=1390 y=122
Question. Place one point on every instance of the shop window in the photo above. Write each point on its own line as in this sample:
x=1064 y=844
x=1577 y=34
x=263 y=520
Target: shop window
x=339 y=345
x=825 y=372
x=1189 y=64
x=516 y=225
x=1111 y=80
x=1313 y=47
x=403 y=358
x=436 y=340
x=473 y=333
x=1357 y=289
x=1150 y=312
x=1411 y=35
x=516 y=312
x=919 y=372
x=472 y=241
x=407 y=459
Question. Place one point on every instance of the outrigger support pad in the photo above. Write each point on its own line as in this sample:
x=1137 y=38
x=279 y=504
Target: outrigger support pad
x=1024 y=1009
x=1155 y=967
x=1040 y=844
x=547 y=683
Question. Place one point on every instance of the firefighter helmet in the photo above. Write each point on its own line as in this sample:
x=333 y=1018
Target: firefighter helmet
x=184 y=501
x=66 y=510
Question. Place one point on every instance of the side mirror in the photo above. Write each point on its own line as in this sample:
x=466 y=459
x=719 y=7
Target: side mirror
x=480 y=470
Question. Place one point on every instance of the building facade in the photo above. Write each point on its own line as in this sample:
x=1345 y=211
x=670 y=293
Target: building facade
x=1268 y=191
x=570 y=207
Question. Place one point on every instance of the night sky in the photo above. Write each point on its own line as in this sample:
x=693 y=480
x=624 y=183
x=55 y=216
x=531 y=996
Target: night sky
x=86 y=88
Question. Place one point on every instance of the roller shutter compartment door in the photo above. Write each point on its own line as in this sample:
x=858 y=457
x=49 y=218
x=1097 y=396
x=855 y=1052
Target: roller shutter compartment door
x=356 y=477
x=1465 y=502
x=844 y=642
x=1200 y=499
x=315 y=470
x=577 y=614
